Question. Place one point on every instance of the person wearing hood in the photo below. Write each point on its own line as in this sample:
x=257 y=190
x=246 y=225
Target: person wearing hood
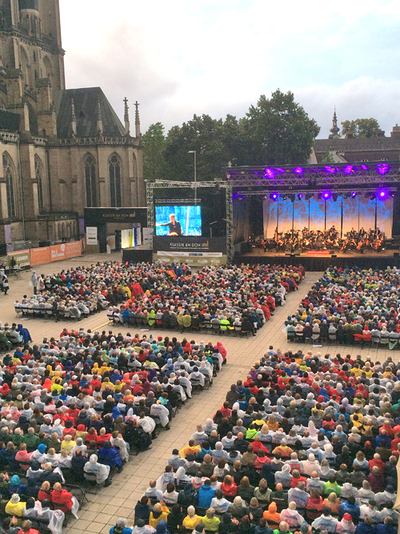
x=109 y=455
x=15 y=506
x=98 y=471
x=15 y=486
x=291 y=516
x=346 y=525
x=162 y=527
x=284 y=477
x=271 y=514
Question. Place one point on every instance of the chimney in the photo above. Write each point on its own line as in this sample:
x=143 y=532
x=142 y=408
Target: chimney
x=396 y=131
x=381 y=133
x=349 y=135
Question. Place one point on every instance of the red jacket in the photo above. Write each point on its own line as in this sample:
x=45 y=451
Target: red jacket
x=229 y=491
x=62 y=500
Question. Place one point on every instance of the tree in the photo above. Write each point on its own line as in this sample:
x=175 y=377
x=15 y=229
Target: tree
x=361 y=127
x=204 y=135
x=328 y=158
x=153 y=152
x=278 y=131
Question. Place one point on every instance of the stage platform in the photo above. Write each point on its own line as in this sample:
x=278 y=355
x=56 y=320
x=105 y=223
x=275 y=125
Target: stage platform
x=320 y=261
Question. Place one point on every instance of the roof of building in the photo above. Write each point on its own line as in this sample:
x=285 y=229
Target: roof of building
x=86 y=112
x=9 y=121
x=357 y=144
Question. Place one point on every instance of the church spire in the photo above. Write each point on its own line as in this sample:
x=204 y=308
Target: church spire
x=73 y=117
x=126 y=117
x=99 y=118
x=334 y=130
x=137 y=119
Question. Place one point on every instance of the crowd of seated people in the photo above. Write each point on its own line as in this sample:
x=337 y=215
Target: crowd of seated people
x=350 y=306
x=155 y=294
x=309 y=239
x=307 y=443
x=73 y=409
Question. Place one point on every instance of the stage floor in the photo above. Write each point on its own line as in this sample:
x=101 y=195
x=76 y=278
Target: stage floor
x=320 y=260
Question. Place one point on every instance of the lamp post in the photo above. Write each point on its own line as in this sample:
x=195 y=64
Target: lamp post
x=195 y=174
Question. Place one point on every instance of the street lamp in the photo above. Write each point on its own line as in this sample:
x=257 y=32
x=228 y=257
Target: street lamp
x=195 y=174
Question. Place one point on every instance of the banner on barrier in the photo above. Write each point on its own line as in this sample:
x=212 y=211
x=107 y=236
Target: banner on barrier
x=40 y=255
x=55 y=252
x=19 y=258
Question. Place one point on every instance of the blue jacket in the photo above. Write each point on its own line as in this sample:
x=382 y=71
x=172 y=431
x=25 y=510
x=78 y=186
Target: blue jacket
x=206 y=495
x=352 y=509
x=364 y=528
x=110 y=457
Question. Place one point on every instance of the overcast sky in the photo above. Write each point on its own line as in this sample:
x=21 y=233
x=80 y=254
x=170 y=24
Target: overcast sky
x=180 y=58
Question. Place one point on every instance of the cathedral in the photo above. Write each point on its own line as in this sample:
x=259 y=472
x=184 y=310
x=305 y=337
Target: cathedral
x=62 y=150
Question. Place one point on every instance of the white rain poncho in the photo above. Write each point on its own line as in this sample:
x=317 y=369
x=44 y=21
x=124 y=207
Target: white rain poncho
x=92 y=467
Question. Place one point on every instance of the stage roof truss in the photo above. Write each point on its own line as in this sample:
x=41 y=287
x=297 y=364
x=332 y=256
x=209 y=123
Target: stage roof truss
x=285 y=191
x=377 y=174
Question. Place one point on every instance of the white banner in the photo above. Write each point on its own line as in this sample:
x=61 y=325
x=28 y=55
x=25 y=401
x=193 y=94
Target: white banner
x=91 y=235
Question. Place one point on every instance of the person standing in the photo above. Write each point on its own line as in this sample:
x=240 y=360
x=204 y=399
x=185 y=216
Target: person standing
x=34 y=282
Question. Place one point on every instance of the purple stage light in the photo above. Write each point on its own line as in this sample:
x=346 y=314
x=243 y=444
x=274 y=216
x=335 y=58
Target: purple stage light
x=348 y=169
x=382 y=194
x=300 y=196
x=282 y=171
x=364 y=167
x=298 y=170
x=269 y=173
x=382 y=168
x=330 y=170
x=274 y=196
x=326 y=195
x=354 y=194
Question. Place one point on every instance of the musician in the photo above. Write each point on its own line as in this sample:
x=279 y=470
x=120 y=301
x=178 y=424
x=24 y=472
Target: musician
x=174 y=226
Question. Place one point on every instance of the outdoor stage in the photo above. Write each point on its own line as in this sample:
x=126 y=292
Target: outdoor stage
x=320 y=260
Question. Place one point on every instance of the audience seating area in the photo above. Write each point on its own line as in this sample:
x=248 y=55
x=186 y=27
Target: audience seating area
x=350 y=307
x=74 y=410
x=307 y=443
x=224 y=299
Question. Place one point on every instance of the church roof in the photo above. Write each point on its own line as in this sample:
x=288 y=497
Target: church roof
x=9 y=121
x=357 y=144
x=86 y=112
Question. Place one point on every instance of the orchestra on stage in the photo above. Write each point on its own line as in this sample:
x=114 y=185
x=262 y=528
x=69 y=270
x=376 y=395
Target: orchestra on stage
x=309 y=240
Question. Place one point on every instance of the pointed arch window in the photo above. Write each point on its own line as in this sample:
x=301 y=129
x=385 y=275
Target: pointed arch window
x=9 y=179
x=39 y=181
x=115 y=182
x=90 y=182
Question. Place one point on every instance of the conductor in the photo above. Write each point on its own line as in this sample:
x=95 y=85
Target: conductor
x=174 y=226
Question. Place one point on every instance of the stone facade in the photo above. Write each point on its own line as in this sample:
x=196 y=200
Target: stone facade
x=61 y=150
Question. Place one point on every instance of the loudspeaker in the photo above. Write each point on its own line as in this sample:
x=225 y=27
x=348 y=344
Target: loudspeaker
x=333 y=255
x=396 y=255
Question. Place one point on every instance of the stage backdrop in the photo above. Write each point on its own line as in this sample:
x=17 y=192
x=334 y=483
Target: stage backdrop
x=358 y=212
